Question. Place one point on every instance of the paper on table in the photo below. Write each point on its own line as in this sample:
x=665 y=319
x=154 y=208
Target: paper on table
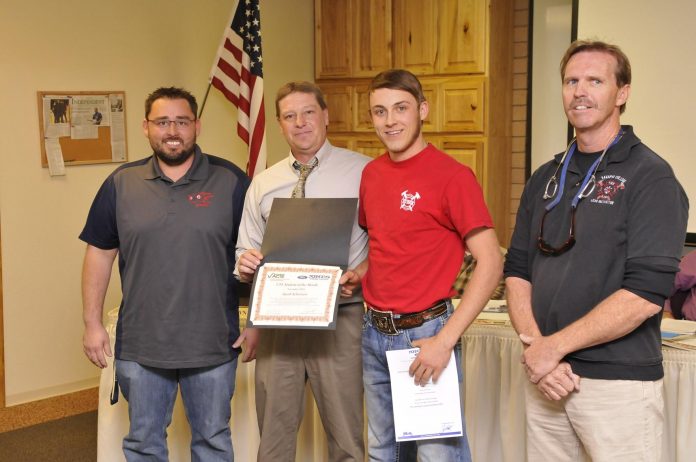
x=432 y=411
x=679 y=326
x=678 y=333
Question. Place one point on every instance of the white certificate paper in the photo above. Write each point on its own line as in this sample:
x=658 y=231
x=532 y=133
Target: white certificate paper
x=295 y=295
x=421 y=413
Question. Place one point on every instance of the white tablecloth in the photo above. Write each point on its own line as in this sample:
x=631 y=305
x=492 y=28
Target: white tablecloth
x=494 y=397
x=494 y=407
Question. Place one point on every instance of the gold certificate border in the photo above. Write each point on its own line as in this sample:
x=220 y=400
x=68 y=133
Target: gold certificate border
x=293 y=268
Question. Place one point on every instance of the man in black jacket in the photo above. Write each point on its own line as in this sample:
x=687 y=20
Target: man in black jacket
x=596 y=245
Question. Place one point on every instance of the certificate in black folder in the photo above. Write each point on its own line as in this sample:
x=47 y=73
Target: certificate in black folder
x=305 y=247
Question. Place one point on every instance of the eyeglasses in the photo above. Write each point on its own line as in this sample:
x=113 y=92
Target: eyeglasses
x=547 y=248
x=164 y=124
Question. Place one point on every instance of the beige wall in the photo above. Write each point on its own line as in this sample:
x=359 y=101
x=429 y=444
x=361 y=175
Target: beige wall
x=130 y=45
x=552 y=22
x=659 y=41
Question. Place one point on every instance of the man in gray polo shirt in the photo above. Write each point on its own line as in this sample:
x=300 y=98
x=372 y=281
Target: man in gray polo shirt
x=287 y=358
x=172 y=218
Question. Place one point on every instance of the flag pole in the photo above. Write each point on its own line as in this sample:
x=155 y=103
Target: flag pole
x=215 y=62
x=205 y=98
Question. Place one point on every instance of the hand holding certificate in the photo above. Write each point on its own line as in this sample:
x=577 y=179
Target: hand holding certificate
x=432 y=411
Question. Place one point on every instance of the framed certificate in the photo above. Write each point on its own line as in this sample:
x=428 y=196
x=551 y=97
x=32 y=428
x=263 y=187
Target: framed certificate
x=295 y=295
x=305 y=247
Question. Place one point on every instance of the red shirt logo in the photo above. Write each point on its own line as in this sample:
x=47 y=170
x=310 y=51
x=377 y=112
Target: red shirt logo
x=201 y=199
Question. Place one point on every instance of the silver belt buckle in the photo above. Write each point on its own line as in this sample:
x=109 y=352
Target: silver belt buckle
x=385 y=322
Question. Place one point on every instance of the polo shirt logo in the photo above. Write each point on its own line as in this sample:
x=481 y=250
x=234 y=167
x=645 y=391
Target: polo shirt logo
x=607 y=188
x=201 y=199
x=408 y=201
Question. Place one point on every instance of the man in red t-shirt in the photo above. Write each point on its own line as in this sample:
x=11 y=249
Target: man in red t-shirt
x=422 y=210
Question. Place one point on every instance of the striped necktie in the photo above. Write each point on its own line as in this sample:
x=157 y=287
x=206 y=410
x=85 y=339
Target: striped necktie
x=304 y=170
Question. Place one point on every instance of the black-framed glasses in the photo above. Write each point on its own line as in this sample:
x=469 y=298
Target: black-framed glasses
x=164 y=124
x=547 y=248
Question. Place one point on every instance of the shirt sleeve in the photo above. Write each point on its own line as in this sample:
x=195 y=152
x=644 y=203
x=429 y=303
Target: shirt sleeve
x=464 y=204
x=101 y=229
x=517 y=258
x=656 y=230
x=252 y=224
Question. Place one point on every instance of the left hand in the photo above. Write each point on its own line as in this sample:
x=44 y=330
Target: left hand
x=561 y=382
x=540 y=357
x=250 y=338
x=350 y=280
x=431 y=360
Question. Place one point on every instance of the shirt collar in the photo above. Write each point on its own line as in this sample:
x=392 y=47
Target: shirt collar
x=617 y=153
x=198 y=170
x=322 y=156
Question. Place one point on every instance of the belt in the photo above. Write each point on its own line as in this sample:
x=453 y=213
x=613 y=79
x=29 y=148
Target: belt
x=390 y=323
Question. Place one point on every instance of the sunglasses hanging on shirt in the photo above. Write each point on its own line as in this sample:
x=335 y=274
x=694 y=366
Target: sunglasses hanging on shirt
x=551 y=191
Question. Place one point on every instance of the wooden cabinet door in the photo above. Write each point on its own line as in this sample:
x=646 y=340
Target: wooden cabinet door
x=463 y=26
x=462 y=105
x=333 y=37
x=372 y=37
x=339 y=100
x=416 y=32
x=369 y=145
x=468 y=152
x=361 y=117
x=342 y=141
x=432 y=122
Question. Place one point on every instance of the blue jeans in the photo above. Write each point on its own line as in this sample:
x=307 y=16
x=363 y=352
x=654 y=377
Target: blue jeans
x=382 y=445
x=151 y=393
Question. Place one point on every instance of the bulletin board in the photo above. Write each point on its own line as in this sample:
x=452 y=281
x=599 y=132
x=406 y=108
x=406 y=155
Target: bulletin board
x=85 y=127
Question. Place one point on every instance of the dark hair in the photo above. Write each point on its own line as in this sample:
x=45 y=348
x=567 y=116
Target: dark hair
x=171 y=93
x=299 y=87
x=623 y=65
x=398 y=79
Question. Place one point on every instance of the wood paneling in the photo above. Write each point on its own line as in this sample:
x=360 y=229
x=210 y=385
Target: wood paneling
x=372 y=35
x=339 y=99
x=468 y=152
x=462 y=104
x=416 y=33
x=332 y=32
x=463 y=37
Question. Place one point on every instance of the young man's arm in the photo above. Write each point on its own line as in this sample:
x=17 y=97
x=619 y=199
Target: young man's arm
x=435 y=351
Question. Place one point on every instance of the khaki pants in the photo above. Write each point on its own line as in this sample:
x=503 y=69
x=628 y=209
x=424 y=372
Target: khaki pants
x=331 y=361
x=607 y=420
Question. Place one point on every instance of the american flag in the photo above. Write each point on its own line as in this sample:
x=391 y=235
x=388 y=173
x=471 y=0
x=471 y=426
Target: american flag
x=238 y=73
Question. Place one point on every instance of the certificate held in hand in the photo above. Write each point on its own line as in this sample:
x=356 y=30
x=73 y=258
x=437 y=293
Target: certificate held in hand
x=305 y=248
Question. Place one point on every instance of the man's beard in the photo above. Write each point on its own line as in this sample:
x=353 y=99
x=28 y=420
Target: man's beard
x=176 y=159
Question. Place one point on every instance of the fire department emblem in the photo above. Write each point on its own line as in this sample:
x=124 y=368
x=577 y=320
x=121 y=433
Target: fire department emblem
x=201 y=199
x=408 y=201
x=607 y=188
